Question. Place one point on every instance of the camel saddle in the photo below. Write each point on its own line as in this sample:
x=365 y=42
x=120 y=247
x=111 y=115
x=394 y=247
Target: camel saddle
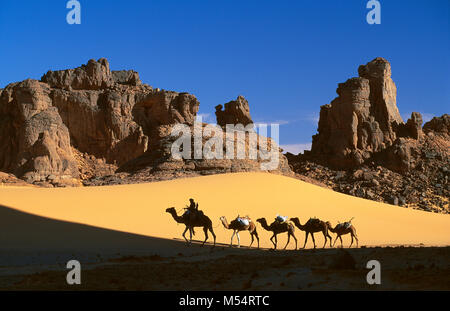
x=245 y=221
x=344 y=225
x=313 y=221
x=188 y=212
x=281 y=219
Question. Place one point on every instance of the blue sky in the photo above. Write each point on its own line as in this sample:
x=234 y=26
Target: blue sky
x=285 y=57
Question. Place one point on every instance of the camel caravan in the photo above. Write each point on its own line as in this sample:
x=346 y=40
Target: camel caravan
x=193 y=217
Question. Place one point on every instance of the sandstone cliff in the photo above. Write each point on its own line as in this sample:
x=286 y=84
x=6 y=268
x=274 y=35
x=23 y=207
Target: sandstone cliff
x=80 y=124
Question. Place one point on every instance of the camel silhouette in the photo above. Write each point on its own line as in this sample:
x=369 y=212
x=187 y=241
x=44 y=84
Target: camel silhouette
x=341 y=229
x=277 y=228
x=237 y=226
x=312 y=226
x=200 y=220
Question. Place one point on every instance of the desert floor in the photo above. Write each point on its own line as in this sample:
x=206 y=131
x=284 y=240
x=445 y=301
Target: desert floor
x=124 y=239
x=402 y=268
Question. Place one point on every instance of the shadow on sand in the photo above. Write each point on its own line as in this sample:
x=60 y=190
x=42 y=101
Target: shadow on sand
x=30 y=239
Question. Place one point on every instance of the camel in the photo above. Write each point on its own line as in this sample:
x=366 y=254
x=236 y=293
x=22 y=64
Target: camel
x=311 y=227
x=277 y=227
x=340 y=230
x=200 y=221
x=236 y=226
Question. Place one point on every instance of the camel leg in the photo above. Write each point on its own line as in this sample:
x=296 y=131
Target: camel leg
x=289 y=238
x=251 y=234
x=232 y=237
x=325 y=237
x=255 y=234
x=257 y=237
x=335 y=240
x=295 y=239
x=271 y=240
x=353 y=233
x=351 y=241
x=342 y=244
x=329 y=236
x=239 y=239
x=276 y=241
x=314 y=241
x=306 y=238
x=213 y=234
x=184 y=234
x=205 y=230
x=190 y=235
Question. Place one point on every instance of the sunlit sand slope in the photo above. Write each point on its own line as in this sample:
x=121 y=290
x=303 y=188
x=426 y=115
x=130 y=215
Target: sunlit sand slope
x=140 y=208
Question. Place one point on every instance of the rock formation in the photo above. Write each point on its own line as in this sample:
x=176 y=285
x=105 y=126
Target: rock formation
x=235 y=112
x=363 y=147
x=439 y=125
x=361 y=120
x=35 y=141
x=78 y=124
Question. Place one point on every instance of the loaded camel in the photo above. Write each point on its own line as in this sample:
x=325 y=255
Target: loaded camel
x=200 y=220
x=237 y=226
x=310 y=227
x=277 y=228
x=342 y=229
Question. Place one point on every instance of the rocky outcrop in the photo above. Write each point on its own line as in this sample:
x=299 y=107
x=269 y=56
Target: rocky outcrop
x=160 y=162
x=363 y=147
x=94 y=75
x=414 y=125
x=127 y=77
x=85 y=123
x=35 y=142
x=438 y=125
x=235 y=112
x=363 y=120
x=426 y=187
x=383 y=96
x=11 y=180
x=108 y=115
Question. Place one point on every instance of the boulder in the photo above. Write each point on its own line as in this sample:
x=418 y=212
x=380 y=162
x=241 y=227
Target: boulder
x=127 y=77
x=235 y=112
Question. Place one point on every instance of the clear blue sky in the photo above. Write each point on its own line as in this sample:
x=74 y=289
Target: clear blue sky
x=285 y=57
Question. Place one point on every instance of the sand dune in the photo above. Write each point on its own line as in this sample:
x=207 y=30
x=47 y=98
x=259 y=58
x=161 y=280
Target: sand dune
x=140 y=209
